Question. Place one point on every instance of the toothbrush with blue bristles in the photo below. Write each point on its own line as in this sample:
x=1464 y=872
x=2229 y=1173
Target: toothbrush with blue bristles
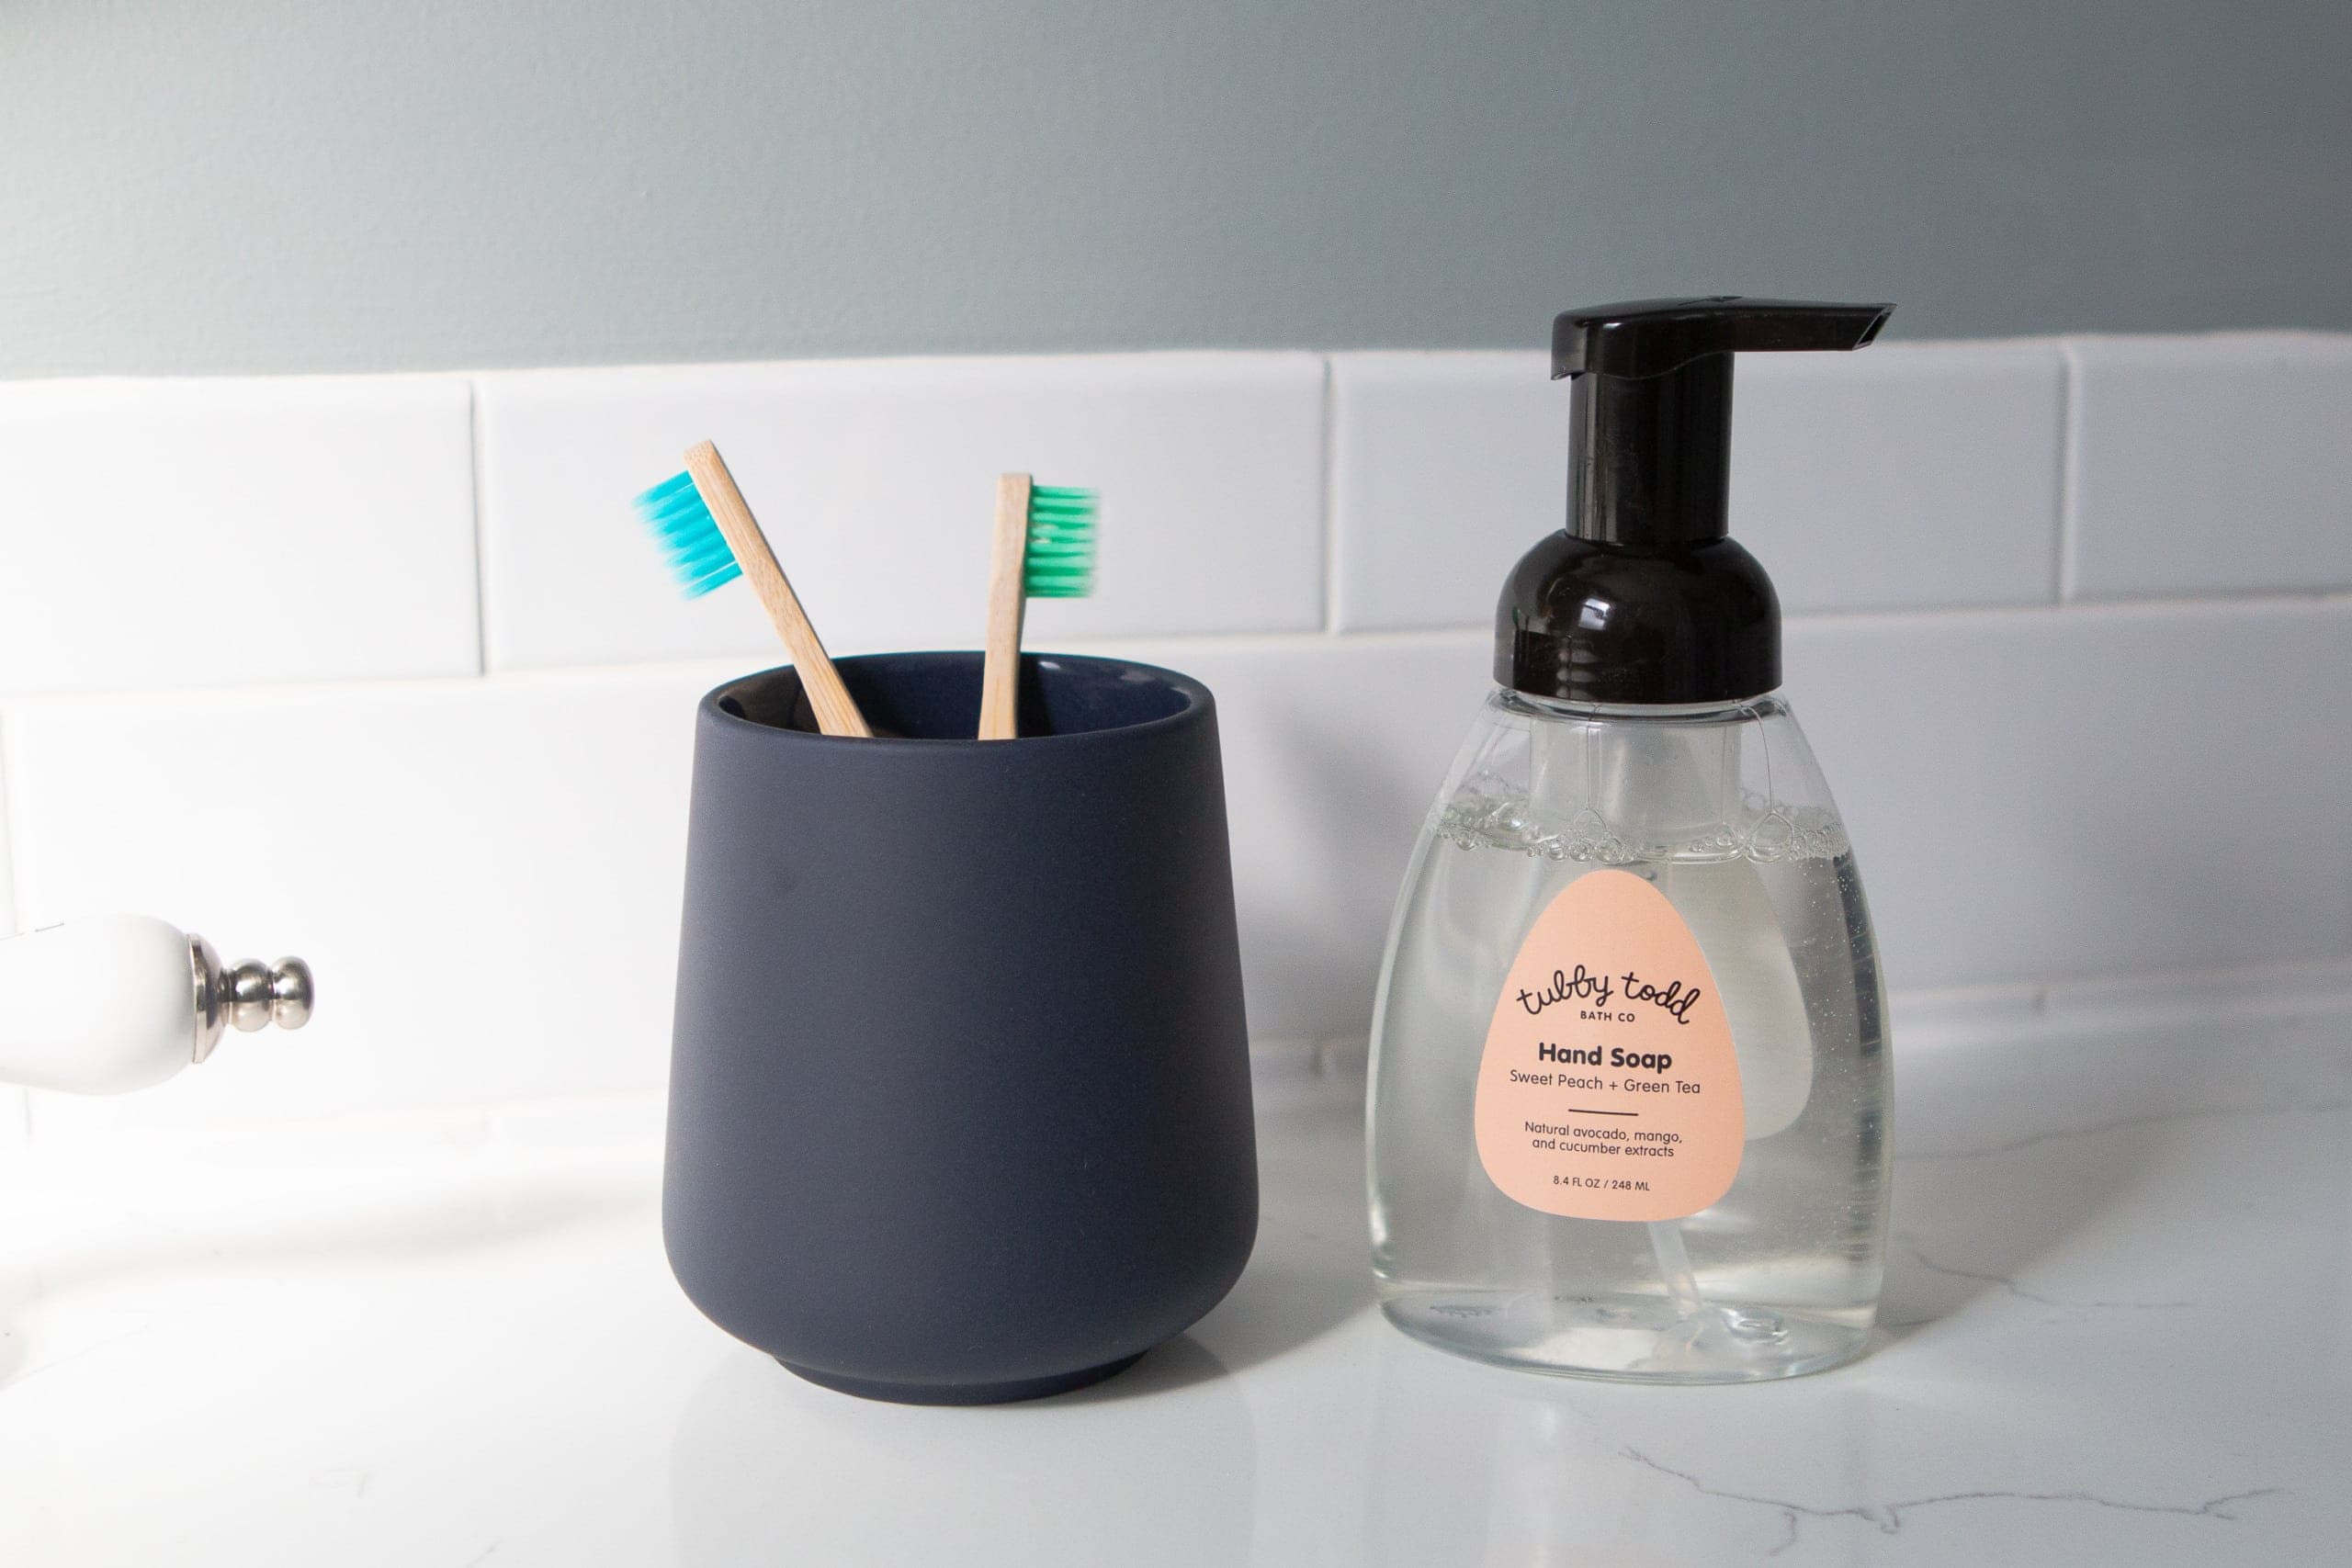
x=1045 y=550
x=706 y=530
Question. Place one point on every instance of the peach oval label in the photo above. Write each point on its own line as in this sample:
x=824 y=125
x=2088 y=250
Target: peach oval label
x=1610 y=1089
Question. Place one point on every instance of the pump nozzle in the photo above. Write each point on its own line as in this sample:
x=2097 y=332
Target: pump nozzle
x=1650 y=337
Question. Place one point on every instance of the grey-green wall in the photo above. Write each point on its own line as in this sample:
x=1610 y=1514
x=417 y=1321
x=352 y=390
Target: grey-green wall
x=190 y=186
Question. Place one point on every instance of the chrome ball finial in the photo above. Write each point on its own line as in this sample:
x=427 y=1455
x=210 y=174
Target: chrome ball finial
x=249 y=994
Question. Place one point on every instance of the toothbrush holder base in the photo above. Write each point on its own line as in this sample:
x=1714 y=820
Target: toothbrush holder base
x=965 y=1394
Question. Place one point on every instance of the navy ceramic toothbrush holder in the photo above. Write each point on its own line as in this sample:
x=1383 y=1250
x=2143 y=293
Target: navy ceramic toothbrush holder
x=960 y=1095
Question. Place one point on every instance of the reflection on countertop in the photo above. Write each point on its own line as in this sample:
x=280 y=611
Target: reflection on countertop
x=2117 y=1331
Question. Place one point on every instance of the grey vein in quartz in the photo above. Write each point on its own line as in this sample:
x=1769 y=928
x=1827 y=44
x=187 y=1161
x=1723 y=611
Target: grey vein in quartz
x=1930 y=1264
x=1888 y=1517
x=26 y=1374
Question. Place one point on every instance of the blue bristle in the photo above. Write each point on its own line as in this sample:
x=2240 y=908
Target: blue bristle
x=689 y=535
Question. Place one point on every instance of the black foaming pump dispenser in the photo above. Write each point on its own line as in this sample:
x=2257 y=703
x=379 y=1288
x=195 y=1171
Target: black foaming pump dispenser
x=1645 y=598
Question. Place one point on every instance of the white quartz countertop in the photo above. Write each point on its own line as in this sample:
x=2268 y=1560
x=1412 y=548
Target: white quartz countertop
x=2118 y=1331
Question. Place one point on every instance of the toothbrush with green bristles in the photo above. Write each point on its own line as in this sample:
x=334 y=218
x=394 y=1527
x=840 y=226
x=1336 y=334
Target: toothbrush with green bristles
x=1045 y=550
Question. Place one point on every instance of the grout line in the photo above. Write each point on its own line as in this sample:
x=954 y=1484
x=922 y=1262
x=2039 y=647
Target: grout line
x=2099 y=608
x=2102 y=609
x=2222 y=336
x=1330 y=519
x=481 y=557
x=2194 y=979
x=2069 y=470
x=2077 y=609
x=1254 y=642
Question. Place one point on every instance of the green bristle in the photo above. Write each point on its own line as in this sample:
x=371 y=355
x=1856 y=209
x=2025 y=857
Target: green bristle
x=1060 y=562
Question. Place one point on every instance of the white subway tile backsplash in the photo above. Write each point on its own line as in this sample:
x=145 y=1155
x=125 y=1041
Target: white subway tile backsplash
x=2207 y=464
x=222 y=532
x=484 y=875
x=1334 y=750
x=2042 y=794
x=1909 y=475
x=1445 y=467
x=1905 y=475
x=875 y=481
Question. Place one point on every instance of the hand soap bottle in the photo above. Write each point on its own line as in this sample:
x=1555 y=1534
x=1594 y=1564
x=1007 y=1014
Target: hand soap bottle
x=1629 y=1080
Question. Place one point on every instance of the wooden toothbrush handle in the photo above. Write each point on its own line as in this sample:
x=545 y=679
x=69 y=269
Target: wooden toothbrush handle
x=836 y=710
x=1009 y=566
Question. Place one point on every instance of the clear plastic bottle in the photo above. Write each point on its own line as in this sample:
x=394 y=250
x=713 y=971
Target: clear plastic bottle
x=1627 y=1115
x=1721 y=810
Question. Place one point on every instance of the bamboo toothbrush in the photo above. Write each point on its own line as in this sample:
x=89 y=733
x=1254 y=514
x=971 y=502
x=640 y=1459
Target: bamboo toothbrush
x=1045 y=550
x=706 y=529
